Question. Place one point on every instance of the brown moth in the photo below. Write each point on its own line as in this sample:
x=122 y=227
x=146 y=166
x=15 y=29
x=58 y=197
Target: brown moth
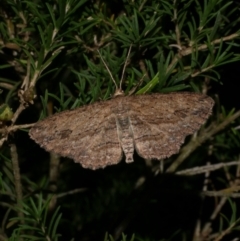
x=97 y=135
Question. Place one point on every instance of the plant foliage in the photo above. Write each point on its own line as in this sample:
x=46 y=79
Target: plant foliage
x=49 y=62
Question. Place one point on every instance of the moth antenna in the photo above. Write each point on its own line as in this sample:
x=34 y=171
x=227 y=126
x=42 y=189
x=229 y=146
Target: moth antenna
x=125 y=65
x=108 y=69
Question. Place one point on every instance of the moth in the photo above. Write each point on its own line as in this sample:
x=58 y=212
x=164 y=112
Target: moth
x=100 y=134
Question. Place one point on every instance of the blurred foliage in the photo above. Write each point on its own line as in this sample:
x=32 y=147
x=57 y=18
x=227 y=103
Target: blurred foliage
x=49 y=63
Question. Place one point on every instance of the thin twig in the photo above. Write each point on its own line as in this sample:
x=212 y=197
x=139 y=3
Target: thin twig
x=77 y=190
x=202 y=70
x=222 y=193
x=53 y=178
x=18 y=112
x=197 y=230
x=25 y=82
x=188 y=51
x=108 y=69
x=143 y=68
x=124 y=67
x=177 y=31
x=227 y=231
x=207 y=227
x=207 y=168
x=6 y=86
x=17 y=180
x=16 y=127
